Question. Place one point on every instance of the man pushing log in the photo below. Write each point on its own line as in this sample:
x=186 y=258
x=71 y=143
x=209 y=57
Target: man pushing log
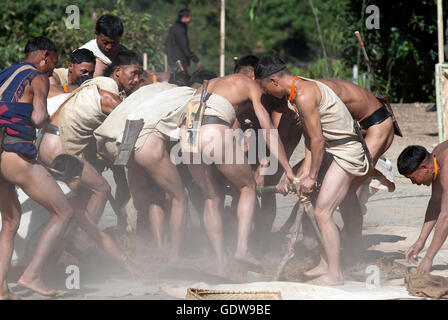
x=161 y=107
x=223 y=97
x=71 y=130
x=329 y=127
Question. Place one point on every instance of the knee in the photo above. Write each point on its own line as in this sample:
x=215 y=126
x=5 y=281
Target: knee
x=103 y=189
x=322 y=215
x=180 y=199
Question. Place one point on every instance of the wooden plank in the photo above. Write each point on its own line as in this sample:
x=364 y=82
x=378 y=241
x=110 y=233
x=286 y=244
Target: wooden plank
x=130 y=135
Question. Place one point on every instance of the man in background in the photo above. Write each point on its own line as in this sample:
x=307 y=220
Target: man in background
x=106 y=45
x=177 y=45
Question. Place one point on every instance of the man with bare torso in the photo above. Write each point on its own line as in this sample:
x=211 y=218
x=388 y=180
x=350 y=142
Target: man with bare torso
x=289 y=131
x=70 y=131
x=23 y=106
x=225 y=95
x=430 y=169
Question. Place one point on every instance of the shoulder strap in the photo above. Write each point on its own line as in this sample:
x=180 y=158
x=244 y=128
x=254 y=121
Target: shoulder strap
x=11 y=78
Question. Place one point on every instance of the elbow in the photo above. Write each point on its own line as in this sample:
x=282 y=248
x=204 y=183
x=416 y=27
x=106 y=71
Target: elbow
x=40 y=122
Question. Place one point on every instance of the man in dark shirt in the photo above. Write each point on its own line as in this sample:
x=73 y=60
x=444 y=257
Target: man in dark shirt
x=177 y=46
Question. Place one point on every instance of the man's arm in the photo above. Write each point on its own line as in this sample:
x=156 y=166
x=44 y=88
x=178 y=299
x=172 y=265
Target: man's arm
x=255 y=93
x=109 y=101
x=100 y=66
x=308 y=102
x=306 y=164
x=431 y=216
x=441 y=231
x=40 y=86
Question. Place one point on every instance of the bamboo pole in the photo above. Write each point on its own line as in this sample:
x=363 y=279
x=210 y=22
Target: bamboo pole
x=222 y=39
x=165 y=62
x=440 y=30
x=145 y=61
x=441 y=113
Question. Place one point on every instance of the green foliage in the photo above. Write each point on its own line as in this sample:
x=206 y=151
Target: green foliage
x=402 y=52
x=29 y=18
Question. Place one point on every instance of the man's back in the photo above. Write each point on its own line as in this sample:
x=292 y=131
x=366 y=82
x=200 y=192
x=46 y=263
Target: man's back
x=360 y=102
x=236 y=88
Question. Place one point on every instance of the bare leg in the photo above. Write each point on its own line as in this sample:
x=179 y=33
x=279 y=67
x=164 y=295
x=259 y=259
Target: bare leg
x=122 y=195
x=241 y=176
x=352 y=216
x=31 y=177
x=156 y=217
x=203 y=175
x=155 y=160
x=334 y=188
x=140 y=189
x=100 y=189
x=10 y=211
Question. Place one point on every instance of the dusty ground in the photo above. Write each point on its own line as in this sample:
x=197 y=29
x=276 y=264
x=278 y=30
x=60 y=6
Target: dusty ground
x=393 y=221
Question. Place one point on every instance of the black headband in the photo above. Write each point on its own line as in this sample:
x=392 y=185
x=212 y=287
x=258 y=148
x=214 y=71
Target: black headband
x=262 y=73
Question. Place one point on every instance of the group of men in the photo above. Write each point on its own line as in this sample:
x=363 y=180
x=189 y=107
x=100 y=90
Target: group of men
x=104 y=86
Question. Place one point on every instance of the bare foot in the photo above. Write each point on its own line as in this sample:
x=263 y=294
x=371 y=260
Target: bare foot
x=11 y=296
x=8 y=295
x=247 y=258
x=38 y=286
x=320 y=270
x=327 y=280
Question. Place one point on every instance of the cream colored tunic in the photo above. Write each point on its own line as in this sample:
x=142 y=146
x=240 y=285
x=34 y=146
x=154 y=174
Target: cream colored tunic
x=61 y=74
x=218 y=106
x=161 y=106
x=92 y=45
x=81 y=113
x=337 y=123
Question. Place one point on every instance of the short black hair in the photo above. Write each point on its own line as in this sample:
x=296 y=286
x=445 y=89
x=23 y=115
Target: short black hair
x=202 y=74
x=269 y=65
x=185 y=12
x=179 y=78
x=411 y=158
x=247 y=61
x=123 y=58
x=82 y=55
x=109 y=25
x=40 y=43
